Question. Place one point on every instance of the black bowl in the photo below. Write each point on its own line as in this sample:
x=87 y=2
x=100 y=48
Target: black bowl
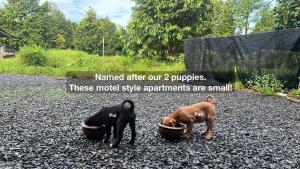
x=171 y=133
x=95 y=133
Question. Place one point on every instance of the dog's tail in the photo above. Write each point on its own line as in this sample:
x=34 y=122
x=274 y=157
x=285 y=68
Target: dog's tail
x=131 y=105
x=211 y=99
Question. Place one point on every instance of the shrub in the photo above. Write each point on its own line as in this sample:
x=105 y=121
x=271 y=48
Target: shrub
x=33 y=56
x=295 y=93
x=265 y=84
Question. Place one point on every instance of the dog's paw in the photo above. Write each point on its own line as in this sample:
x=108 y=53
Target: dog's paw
x=208 y=137
x=113 y=146
x=186 y=136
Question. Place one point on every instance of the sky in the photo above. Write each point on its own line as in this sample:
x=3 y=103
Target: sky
x=118 y=11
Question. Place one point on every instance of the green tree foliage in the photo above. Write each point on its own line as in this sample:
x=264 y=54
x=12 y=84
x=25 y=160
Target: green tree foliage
x=231 y=17
x=32 y=23
x=223 y=23
x=60 y=41
x=287 y=14
x=158 y=27
x=88 y=33
x=243 y=12
x=111 y=37
x=58 y=32
x=120 y=40
x=265 y=20
x=91 y=31
x=21 y=19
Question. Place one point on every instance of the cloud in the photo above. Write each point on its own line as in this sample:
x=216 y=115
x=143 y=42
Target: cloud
x=118 y=11
x=2 y=3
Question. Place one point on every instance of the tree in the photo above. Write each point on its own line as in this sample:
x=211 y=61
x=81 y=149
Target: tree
x=32 y=23
x=265 y=20
x=91 y=31
x=158 y=27
x=121 y=40
x=21 y=18
x=55 y=27
x=60 y=41
x=231 y=17
x=87 y=33
x=243 y=12
x=287 y=14
x=223 y=23
x=109 y=32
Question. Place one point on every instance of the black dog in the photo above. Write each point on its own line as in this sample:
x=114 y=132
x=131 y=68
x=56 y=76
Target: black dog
x=117 y=117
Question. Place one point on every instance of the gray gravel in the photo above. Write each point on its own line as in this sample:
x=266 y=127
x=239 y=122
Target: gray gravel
x=40 y=128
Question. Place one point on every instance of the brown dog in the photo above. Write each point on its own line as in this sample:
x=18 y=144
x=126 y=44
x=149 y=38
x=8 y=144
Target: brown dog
x=196 y=113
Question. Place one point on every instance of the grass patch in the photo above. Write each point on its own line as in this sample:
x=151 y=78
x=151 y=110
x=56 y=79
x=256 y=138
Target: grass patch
x=238 y=85
x=59 y=62
x=295 y=93
x=237 y=82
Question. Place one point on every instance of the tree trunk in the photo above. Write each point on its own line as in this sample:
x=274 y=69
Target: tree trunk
x=246 y=25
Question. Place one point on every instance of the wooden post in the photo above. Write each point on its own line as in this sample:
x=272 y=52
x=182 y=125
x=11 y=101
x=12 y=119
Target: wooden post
x=103 y=52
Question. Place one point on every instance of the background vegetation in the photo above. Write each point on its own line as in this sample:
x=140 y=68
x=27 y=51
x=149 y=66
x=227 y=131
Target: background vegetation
x=295 y=93
x=57 y=62
x=266 y=84
x=50 y=44
x=157 y=28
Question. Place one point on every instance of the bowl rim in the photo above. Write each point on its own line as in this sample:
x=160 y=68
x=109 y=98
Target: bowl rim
x=172 y=128
x=92 y=127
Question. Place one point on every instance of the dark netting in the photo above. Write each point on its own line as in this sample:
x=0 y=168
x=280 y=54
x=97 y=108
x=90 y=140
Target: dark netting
x=223 y=59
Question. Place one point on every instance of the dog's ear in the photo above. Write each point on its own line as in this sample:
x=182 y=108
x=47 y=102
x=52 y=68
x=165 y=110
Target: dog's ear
x=211 y=99
x=162 y=120
x=173 y=122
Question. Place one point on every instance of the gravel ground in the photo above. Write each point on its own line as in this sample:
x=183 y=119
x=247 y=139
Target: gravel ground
x=40 y=128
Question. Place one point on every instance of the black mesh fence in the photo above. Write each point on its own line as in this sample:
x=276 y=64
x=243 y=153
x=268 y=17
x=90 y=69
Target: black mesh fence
x=225 y=59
